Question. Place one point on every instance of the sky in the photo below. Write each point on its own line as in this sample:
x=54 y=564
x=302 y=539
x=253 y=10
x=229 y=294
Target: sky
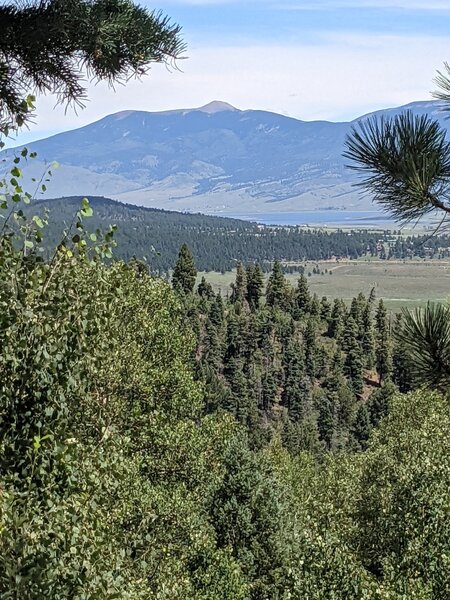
x=308 y=59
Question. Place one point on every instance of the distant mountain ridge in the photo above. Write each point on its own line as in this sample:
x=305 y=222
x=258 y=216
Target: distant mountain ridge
x=213 y=159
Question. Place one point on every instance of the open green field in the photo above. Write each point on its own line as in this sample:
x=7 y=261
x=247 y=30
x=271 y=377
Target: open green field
x=409 y=283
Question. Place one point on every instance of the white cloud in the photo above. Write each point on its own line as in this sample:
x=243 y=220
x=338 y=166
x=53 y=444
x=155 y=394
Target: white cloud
x=338 y=77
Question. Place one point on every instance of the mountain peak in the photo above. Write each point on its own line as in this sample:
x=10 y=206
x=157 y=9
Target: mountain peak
x=216 y=106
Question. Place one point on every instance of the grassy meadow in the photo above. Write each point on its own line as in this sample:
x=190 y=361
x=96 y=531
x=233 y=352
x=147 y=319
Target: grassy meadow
x=400 y=283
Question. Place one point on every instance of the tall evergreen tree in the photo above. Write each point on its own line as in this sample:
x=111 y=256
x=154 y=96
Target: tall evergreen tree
x=350 y=334
x=362 y=426
x=325 y=419
x=302 y=298
x=246 y=511
x=353 y=366
x=277 y=289
x=310 y=348
x=325 y=309
x=401 y=365
x=216 y=311
x=368 y=338
x=239 y=287
x=378 y=404
x=341 y=395
x=293 y=390
x=184 y=273
x=314 y=309
x=383 y=349
x=255 y=285
x=205 y=289
x=336 y=324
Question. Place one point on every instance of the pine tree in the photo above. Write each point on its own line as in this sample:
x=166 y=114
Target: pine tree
x=378 y=404
x=212 y=350
x=239 y=287
x=336 y=324
x=302 y=436
x=368 y=339
x=325 y=309
x=302 y=298
x=401 y=375
x=245 y=510
x=277 y=288
x=184 y=273
x=216 y=312
x=383 y=348
x=342 y=397
x=310 y=348
x=314 y=309
x=205 y=289
x=293 y=395
x=255 y=285
x=425 y=339
x=362 y=427
x=350 y=334
x=325 y=420
x=269 y=389
x=353 y=366
x=405 y=162
x=355 y=312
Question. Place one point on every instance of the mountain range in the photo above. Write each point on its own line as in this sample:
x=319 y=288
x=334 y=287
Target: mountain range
x=213 y=159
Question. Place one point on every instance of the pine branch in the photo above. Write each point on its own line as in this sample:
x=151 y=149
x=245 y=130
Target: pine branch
x=46 y=46
x=425 y=337
x=406 y=160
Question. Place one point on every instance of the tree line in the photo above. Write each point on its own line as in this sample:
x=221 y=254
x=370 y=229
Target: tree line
x=218 y=243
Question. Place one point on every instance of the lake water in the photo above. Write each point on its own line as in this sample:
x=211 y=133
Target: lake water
x=332 y=218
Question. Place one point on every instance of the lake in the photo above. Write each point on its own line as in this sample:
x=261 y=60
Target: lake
x=332 y=218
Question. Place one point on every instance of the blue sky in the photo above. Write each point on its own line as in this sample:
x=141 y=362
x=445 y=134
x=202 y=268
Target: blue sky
x=299 y=20
x=311 y=59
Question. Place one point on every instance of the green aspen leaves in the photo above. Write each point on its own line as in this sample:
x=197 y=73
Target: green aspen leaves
x=86 y=210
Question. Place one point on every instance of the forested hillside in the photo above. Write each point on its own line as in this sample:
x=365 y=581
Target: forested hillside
x=159 y=441
x=310 y=369
x=218 y=242
x=171 y=444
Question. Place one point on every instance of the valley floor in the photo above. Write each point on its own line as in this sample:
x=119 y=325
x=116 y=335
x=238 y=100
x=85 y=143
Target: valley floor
x=400 y=283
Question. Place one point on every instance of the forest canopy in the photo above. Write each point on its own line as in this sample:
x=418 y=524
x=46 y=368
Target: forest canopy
x=160 y=441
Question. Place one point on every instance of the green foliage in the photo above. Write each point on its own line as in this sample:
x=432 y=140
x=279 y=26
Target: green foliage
x=302 y=298
x=184 y=273
x=374 y=525
x=407 y=162
x=255 y=285
x=217 y=242
x=106 y=462
x=425 y=339
x=403 y=509
x=205 y=289
x=247 y=513
x=277 y=293
x=383 y=347
x=124 y=472
x=45 y=45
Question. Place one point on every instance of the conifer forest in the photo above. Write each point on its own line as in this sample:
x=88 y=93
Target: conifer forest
x=161 y=440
